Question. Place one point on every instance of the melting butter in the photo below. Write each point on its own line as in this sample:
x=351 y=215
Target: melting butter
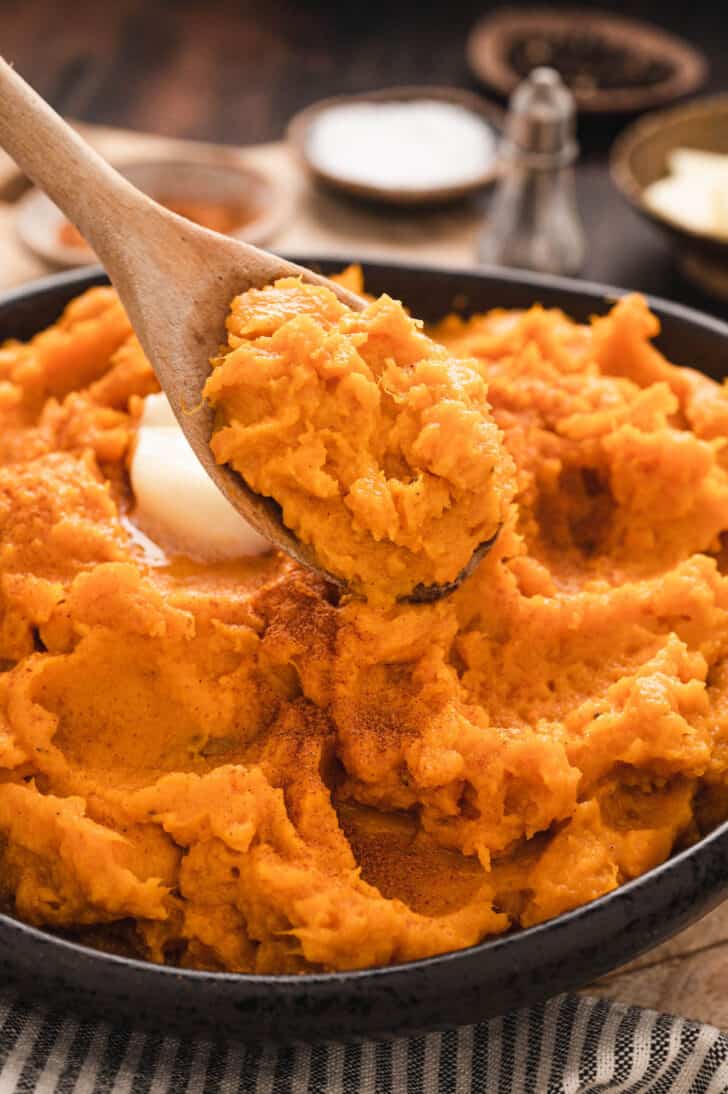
x=176 y=497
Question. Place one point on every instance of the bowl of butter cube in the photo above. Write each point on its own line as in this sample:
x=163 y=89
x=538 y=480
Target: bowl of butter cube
x=672 y=166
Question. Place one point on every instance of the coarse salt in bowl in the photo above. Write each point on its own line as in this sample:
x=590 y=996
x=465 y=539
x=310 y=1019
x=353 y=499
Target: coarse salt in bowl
x=399 y=149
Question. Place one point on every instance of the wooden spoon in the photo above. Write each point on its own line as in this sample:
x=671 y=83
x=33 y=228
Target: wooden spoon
x=174 y=278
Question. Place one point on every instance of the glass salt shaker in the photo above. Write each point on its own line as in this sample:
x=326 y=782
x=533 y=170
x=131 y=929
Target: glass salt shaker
x=533 y=222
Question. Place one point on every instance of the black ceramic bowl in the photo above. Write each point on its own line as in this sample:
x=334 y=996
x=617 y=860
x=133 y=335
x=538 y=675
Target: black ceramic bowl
x=462 y=987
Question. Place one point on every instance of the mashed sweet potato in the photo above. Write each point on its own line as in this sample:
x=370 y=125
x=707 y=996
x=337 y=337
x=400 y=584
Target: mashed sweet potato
x=377 y=443
x=232 y=767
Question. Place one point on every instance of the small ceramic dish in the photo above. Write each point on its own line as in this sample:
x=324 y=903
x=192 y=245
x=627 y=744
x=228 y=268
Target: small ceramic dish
x=301 y=126
x=235 y=198
x=640 y=157
x=612 y=65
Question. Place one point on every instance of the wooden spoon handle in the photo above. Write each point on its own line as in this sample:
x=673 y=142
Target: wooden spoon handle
x=50 y=152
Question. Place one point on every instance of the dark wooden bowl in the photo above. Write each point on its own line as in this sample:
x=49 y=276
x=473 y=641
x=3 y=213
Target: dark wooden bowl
x=518 y=969
x=639 y=157
x=300 y=126
x=492 y=38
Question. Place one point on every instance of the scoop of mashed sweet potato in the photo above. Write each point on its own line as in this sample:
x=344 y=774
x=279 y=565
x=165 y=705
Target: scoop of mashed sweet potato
x=227 y=766
x=377 y=443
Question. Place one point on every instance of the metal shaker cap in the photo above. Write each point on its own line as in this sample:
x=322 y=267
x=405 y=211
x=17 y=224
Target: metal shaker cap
x=541 y=118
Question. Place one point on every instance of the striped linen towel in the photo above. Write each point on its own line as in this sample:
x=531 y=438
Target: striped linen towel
x=570 y=1045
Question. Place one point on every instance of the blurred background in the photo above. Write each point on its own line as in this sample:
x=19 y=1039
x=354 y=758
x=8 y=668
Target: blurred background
x=235 y=74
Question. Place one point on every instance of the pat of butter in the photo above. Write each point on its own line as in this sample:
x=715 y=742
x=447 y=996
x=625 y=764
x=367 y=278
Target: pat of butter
x=176 y=497
x=695 y=193
x=685 y=199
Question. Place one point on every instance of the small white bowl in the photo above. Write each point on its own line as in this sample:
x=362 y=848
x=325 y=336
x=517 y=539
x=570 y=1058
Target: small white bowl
x=39 y=222
x=302 y=124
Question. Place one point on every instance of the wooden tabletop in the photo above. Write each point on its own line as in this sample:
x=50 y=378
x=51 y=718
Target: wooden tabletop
x=236 y=70
x=234 y=73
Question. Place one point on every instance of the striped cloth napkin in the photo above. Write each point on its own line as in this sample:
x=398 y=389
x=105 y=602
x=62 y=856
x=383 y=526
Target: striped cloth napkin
x=570 y=1045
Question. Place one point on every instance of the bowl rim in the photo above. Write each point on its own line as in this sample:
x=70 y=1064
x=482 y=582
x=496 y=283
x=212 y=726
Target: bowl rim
x=643 y=129
x=299 y=128
x=509 y=940
x=591 y=911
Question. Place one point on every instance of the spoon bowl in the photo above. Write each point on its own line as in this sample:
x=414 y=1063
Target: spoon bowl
x=174 y=278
